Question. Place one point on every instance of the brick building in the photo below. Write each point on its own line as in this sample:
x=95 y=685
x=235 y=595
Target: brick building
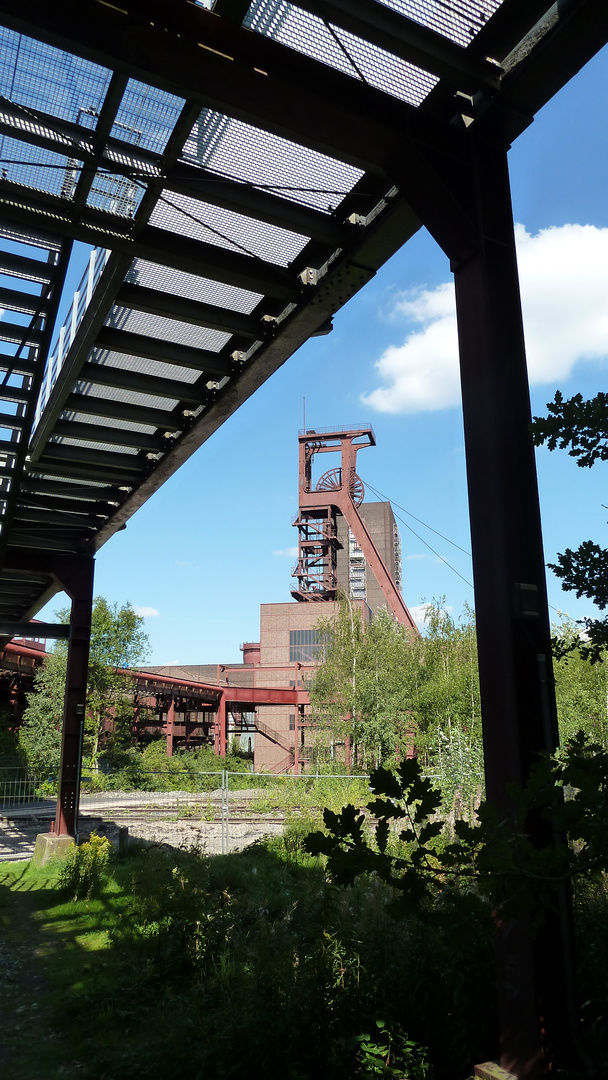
x=290 y=648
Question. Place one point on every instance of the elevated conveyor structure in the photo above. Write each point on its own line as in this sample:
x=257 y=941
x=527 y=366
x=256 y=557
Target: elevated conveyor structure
x=242 y=172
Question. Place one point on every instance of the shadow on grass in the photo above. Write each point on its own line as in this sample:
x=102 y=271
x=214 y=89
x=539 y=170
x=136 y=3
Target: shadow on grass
x=250 y=963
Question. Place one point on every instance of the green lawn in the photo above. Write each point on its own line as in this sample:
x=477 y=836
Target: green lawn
x=248 y=964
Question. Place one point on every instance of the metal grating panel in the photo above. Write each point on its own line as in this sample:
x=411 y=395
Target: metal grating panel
x=63 y=440
x=147 y=116
x=161 y=329
x=225 y=229
x=109 y=422
x=116 y=194
x=45 y=78
x=146 y=367
x=460 y=20
x=20 y=235
x=192 y=287
x=36 y=168
x=340 y=50
x=239 y=151
x=128 y=397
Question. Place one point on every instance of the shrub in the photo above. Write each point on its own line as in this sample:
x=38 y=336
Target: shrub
x=81 y=873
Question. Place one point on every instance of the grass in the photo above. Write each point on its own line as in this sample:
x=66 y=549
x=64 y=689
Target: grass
x=184 y=966
x=252 y=963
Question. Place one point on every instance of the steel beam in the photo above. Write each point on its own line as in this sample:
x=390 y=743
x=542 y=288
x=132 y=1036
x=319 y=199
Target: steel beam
x=88 y=404
x=100 y=474
x=19 y=335
x=76 y=576
x=26 y=303
x=513 y=633
x=116 y=436
x=41 y=517
x=27 y=269
x=168 y=352
x=72 y=452
x=170 y=726
x=123 y=379
x=538 y=68
x=152 y=301
x=58 y=631
x=102 y=495
x=72 y=506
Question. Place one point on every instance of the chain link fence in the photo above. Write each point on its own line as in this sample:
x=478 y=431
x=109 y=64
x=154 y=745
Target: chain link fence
x=216 y=812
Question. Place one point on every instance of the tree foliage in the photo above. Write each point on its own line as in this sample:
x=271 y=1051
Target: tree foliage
x=386 y=690
x=581 y=687
x=118 y=642
x=583 y=427
x=40 y=732
x=496 y=855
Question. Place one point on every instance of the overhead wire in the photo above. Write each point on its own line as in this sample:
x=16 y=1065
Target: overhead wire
x=422 y=540
x=437 y=533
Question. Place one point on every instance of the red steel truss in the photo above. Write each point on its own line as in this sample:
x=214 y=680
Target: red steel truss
x=339 y=491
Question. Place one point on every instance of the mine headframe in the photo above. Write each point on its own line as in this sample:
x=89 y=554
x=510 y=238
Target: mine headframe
x=338 y=491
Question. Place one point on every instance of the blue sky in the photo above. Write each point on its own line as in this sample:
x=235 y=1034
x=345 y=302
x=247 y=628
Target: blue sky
x=216 y=540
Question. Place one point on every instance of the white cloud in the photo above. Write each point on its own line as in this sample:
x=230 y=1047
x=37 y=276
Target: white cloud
x=146 y=612
x=419 y=612
x=290 y=552
x=408 y=557
x=563 y=273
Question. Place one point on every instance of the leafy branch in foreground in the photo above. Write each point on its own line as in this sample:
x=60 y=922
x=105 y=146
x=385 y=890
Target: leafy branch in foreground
x=583 y=427
x=494 y=862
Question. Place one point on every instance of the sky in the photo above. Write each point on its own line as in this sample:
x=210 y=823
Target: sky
x=216 y=541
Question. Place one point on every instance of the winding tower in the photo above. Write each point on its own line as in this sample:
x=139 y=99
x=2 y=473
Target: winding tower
x=339 y=491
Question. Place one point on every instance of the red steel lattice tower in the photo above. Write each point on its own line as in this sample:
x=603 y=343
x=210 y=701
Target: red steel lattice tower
x=339 y=491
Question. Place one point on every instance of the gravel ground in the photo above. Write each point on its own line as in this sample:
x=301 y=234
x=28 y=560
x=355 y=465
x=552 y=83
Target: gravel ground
x=18 y=832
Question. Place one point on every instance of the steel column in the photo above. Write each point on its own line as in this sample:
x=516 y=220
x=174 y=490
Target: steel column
x=76 y=576
x=221 y=739
x=170 y=726
x=515 y=669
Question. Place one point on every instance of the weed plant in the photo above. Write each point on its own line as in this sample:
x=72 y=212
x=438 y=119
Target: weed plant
x=254 y=963
x=81 y=873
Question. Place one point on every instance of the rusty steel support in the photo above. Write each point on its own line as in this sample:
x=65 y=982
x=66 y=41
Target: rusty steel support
x=296 y=742
x=222 y=721
x=170 y=726
x=76 y=576
x=515 y=668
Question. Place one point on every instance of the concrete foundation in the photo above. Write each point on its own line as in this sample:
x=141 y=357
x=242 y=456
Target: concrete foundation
x=50 y=846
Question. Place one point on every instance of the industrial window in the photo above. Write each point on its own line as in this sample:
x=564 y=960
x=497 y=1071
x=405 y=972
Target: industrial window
x=292 y=721
x=306 y=646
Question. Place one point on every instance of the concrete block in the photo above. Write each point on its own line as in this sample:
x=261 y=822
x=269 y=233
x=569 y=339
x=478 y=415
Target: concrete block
x=50 y=846
x=492 y=1071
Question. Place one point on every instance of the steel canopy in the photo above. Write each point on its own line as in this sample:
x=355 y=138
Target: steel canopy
x=240 y=172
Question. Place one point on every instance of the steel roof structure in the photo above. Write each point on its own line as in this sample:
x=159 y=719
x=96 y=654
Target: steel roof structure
x=241 y=173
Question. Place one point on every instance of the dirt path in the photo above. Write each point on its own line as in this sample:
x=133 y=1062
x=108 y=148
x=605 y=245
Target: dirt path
x=26 y=1031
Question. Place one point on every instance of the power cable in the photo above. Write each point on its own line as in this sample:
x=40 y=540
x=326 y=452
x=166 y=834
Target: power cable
x=419 y=520
x=422 y=540
x=431 y=529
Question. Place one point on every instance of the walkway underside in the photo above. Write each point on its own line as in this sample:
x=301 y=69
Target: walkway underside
x=241 y=183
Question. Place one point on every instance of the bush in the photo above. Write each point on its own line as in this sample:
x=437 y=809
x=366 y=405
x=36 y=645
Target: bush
x=81 y=873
